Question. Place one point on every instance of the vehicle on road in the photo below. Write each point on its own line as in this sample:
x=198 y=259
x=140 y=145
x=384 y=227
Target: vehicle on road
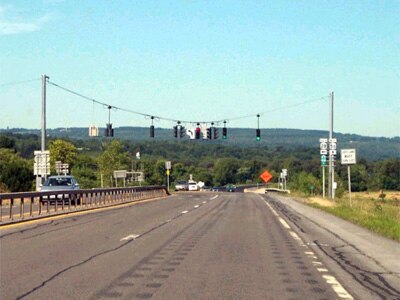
x=181 y=186
x=230 y=188
x=59 y=183
x=193 y=186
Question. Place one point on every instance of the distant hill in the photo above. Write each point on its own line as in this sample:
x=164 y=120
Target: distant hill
x=369 y=148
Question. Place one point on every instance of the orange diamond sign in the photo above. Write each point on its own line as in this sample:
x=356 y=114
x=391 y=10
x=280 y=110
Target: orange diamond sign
x=266 y=176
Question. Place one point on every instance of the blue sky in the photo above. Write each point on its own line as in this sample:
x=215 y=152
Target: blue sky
x=203 y=61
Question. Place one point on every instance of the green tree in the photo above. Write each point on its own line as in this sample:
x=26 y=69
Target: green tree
x=225 y=171
x=63 y=151
x=16 y=173
x=113 y=158
x=85 y=170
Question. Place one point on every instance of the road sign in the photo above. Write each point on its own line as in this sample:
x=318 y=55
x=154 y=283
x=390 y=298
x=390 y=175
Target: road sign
x=323 y=146
x=41 y=164
x=332 y=146
x=332 y=140
x=322 y=140
x=284 y=172
x=332 y=152
x=324 y=152
x=266 y=176
x=168 y=165
x=348 y=156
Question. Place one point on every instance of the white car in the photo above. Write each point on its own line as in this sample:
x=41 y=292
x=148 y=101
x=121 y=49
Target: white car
x=192 y=186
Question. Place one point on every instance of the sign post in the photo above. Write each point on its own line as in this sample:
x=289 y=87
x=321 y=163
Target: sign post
x=348 y=157
x=323 y=145
x=168 y=171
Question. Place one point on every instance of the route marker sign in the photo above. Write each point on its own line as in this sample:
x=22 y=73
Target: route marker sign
x=266 y=176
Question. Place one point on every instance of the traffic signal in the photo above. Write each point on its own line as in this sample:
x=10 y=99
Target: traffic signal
x=224 y=133
x=197 y=133
x=215 y=129
x=152 y=131
x=182 y=131
x=258 y=135
x=175 y=131
x=109 y=130
x=209 y=133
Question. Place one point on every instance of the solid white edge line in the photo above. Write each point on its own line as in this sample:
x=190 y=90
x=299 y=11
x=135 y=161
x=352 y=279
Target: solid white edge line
x=331 y=280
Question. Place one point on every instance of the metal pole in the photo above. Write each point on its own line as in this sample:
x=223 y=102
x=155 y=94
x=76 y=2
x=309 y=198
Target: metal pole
x=168 y=181
x=43 y=120
x=43 y=140
x=333 y=163
x=349 y=180
x=323 y=182
x=330 y=175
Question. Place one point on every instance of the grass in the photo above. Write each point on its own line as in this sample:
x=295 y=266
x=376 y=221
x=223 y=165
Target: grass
x=380 y=215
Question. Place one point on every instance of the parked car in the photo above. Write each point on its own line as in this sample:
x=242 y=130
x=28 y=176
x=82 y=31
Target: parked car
x=59 y=183
x=181 y=186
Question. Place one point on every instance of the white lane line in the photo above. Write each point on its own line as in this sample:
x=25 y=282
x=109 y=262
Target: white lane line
x=184 y=212
x=215 y=197
x=130 y=237
x=204 y=202
x=337 y=287
x=271 y=208
x=331 y=280
x=196 y=206
x=283 y=222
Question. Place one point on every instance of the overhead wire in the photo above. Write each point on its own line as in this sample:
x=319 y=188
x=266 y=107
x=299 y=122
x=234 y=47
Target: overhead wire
x=180 y=120
x=18 y=82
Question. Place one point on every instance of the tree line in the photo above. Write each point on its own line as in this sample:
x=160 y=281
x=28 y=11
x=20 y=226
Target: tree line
x=93 y=161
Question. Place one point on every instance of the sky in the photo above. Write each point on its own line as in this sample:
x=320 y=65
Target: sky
x=202 y=61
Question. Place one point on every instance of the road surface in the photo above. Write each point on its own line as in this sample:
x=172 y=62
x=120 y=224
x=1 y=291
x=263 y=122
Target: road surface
x=187 y=246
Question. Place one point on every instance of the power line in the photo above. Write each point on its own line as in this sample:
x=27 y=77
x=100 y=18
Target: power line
x=18 y=82
x=183 y=121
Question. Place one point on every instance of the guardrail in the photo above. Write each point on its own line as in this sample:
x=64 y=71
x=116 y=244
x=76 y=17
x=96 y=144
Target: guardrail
x=17 y=207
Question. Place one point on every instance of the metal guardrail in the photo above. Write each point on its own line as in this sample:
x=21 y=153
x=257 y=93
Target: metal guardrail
x=17 y=207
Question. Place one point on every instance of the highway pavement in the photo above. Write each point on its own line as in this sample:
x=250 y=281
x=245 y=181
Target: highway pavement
x=186 y=246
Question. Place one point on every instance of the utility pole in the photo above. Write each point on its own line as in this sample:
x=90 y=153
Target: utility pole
x=331 y=179
x=43 y=141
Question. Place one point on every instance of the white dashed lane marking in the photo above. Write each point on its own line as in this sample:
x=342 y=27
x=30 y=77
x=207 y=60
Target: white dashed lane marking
x=196 y=206
x=184 y=212
x=331 y=280
x=130 y=237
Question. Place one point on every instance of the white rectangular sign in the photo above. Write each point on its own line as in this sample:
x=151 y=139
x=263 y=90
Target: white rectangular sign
x=168 y=165
x=348 y=156
x=332 y=152
x=333 y=140
x=322 y=140
x=323 y=152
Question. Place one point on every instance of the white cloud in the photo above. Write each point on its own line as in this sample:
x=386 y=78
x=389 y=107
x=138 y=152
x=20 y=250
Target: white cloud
x=9 y=27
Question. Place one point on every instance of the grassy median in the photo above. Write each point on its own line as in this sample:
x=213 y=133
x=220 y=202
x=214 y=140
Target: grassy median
x=376 y=211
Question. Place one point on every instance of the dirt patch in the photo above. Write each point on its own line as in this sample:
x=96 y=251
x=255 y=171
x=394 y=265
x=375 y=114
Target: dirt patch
x=321 y=201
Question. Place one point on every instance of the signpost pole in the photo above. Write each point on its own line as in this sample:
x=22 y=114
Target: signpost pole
x=323 y=182
x=349 y=180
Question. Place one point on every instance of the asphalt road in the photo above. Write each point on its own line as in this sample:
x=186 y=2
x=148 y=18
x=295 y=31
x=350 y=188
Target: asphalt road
x=187 y=246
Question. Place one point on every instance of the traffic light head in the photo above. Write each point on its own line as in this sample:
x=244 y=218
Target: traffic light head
x=182 y=131
x=258 y=135
x=197 y=133
x=152 y=131
x=224 y=133
x=109 y=130
x=175 y=131
x=215 y=133
x=209 y=133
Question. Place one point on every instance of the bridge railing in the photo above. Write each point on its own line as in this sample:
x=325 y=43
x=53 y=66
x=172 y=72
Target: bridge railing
x=16 y=207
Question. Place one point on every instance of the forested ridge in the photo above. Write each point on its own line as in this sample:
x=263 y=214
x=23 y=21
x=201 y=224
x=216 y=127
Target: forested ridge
x=239 y=159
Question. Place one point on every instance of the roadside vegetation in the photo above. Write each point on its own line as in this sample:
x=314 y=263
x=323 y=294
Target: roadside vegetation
x=92 y=162
x=376 y=211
